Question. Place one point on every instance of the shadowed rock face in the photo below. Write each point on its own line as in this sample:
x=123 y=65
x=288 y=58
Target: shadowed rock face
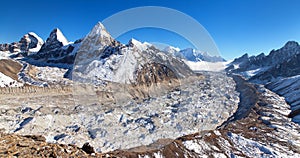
x=55 y=40
x=287 y=68
x=289 y=88
x=154 y=73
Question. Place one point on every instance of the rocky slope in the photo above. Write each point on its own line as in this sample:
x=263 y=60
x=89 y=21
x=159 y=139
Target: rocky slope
x=289 y=88
x=35 y=146
x=9 y=70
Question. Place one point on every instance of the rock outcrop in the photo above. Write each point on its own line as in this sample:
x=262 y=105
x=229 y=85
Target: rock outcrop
x=29 y=43
x=12 y=145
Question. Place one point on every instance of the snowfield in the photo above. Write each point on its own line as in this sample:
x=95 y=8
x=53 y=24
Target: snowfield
x=6 y=81
x=206 y=66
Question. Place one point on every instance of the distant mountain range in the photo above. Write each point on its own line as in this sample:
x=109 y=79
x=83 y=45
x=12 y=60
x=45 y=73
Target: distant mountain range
x=99 y=57
x=193 y=55
x=283 y=62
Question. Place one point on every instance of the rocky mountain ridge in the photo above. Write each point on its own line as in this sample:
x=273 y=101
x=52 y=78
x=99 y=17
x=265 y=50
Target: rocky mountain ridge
x=193 y=55
x=30 y=42
x=278 y=63
x=99 y=52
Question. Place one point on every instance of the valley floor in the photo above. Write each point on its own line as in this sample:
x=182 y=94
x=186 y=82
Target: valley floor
x=210 y=116
x=79 y=115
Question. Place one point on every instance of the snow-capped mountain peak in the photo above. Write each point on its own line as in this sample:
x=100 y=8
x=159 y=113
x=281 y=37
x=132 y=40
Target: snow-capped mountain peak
x=280 y=62
x=58 y=35
x=99 y=37
x=141 y=46
x=171 y=49
x=55 y=40
x=99 y=29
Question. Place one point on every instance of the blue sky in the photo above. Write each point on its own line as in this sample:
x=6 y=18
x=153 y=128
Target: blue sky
x=237 y=26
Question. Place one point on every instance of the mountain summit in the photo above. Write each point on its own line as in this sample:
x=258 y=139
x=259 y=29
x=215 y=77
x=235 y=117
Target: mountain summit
x=55 y=40
x=102 y=58
x=98 y=36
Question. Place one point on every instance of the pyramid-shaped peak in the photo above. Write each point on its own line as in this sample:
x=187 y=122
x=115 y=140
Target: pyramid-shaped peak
x=56 y=34
x=96 y=40
x=99 y=29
